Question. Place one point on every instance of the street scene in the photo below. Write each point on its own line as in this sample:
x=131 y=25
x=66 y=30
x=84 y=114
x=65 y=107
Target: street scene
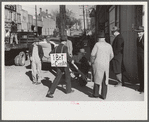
x=74 y=52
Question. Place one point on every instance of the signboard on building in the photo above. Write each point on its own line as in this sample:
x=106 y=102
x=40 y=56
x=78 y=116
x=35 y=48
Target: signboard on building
x=59 y=60
x=11 y=7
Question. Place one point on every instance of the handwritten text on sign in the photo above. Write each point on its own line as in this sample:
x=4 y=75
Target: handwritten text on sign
x=58 y=60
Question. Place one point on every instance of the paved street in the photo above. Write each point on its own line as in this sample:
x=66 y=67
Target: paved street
x=18 y=87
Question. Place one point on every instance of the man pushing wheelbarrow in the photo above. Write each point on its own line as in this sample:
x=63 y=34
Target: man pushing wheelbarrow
x=81 y=68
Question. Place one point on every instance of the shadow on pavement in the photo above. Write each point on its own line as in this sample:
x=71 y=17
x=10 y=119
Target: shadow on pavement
x=74 y=84
x=84 y=89
x=47 y=67
x=46 y=82
x=29 y=74
x=126 y=84
x=132 y=86
x=128 y=81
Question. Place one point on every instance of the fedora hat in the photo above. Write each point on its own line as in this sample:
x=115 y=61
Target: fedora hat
x=12 y=22
x=63 y=38
x=140 y=29
x=101 y=34
x=114 y=28
x=82 y=50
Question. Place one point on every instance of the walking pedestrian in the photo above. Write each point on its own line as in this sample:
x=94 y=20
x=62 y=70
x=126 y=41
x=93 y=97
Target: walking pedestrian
x=36 y=54
x=61 y=48
x=101 y=56
x=117 y=61
x=140 y=57
x=13 y=33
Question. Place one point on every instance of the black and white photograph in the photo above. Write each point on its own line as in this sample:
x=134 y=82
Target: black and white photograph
x=74 y=60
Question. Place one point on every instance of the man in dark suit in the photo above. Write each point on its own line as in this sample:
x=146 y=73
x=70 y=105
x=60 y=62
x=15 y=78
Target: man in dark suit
x=117 y=61
x=61 y=49
x=36 y=54
x=140 y=57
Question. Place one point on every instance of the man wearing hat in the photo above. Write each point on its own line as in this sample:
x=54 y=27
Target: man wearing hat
x=101 y=56
x=117 y=61
x=79 y=55
x=36 y=54
x=83 y=65
x=13 y=33
x=61 y=48
x=140 y=57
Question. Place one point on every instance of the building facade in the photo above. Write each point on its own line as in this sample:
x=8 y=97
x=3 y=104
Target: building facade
x=24 y=20
x=30 y=23
x=49 y=24
x=18 y=12
x=10 y=15
x=127 y=18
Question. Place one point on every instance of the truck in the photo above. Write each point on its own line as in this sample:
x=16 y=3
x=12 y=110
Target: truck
x=18 y=53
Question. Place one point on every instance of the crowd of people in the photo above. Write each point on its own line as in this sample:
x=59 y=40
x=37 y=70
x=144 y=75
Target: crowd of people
x=103 y=55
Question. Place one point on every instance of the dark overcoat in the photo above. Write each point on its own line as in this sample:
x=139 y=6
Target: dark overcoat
x=118 y=47
x=40 y=51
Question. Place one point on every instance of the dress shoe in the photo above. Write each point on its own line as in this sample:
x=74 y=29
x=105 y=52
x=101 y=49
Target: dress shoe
x=70 y=92
x=102 y=97
x=37 y=83
x=50 y=95
x=33 y=82
x=139 y=90
x=93 y=96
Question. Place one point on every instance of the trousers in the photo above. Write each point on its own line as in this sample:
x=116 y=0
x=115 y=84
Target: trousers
x=141 y=70
x=36 y=71
x=57 y=79
x=103 y=88
x=11 y=38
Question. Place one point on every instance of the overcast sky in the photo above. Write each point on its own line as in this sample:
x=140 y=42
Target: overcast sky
x=31 y=9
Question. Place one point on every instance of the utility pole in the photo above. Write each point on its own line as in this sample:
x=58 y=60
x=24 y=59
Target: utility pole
x=36 y=19
x=84 y=19
x=62 y=20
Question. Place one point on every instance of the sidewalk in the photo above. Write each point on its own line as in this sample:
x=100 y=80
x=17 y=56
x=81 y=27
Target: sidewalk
x=19 y=87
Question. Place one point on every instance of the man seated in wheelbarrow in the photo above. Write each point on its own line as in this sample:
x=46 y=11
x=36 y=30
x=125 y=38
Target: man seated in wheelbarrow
x=82 y=65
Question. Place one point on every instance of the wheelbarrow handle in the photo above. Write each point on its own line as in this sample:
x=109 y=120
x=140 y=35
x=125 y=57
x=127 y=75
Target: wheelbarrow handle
x=84 y=77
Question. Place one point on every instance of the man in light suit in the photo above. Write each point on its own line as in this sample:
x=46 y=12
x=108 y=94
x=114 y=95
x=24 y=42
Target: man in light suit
x=101 y=56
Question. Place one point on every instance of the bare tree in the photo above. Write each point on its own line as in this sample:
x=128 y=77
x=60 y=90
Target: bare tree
x=70 y=18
